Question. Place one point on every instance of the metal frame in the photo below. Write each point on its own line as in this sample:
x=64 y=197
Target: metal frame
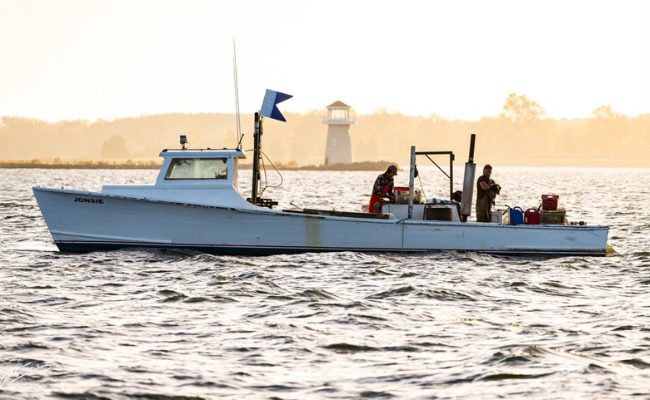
x=414 y=154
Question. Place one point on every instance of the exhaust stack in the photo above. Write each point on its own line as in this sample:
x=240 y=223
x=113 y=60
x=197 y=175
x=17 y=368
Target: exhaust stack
x=468 y=182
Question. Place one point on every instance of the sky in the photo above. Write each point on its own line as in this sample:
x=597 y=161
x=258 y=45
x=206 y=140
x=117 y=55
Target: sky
x=90 y=59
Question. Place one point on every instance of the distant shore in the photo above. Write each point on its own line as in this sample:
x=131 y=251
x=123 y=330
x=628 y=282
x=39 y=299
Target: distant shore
x=292 y=166
x=140 y=164
x=90 y=164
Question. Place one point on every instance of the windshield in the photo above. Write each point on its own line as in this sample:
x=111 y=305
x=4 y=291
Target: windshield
x=197 y=168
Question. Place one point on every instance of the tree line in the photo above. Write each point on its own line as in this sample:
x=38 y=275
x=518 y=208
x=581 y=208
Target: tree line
x=521 y=134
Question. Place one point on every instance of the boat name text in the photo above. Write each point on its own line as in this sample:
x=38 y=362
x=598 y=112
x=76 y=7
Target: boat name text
x=88 y=200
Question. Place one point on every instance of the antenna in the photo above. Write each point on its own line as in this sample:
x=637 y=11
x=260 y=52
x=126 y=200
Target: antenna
x=234 y=70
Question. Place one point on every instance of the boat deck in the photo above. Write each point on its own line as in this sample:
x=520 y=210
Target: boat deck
x=334 y=213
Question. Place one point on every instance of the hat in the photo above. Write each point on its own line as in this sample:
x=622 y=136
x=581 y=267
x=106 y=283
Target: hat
x=393 y=168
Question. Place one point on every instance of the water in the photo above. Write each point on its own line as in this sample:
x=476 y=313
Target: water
x=164 y=325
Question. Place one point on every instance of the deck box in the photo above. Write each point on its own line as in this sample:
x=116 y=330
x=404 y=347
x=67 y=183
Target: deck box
x=552 y=217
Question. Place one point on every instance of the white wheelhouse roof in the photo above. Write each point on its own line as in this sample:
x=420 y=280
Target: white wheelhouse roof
x=203 y=153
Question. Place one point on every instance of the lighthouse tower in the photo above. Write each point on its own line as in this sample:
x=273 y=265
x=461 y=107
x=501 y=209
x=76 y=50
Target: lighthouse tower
x=338 y=149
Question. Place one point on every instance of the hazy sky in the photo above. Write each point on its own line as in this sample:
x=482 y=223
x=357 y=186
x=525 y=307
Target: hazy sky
x=70 y=59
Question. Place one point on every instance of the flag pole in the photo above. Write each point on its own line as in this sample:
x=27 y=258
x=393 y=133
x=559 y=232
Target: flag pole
x=269 y=109
x=257 y=145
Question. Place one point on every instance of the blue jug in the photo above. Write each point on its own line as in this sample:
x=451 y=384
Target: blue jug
x=516 y=216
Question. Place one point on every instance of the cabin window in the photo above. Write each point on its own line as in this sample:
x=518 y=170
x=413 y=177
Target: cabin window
x=198 y=168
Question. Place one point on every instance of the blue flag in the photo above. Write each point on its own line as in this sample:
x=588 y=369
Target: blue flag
x=270 y=104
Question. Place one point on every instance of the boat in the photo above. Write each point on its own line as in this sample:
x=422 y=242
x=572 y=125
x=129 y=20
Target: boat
x=195 y=204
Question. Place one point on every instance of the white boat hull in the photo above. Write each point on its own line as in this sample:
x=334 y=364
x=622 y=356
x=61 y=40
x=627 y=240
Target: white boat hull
x=86 y=221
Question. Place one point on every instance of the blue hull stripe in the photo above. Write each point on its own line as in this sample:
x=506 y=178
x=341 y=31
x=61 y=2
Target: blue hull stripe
x=87 y=246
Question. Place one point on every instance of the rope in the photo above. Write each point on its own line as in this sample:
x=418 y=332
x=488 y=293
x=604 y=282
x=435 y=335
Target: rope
x=422 y=188
x=266 y=182
x=266 y=185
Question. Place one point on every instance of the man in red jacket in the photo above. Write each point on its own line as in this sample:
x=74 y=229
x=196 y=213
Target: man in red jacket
x=382 y=189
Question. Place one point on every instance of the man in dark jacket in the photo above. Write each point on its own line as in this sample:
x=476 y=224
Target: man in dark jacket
x=486 y=192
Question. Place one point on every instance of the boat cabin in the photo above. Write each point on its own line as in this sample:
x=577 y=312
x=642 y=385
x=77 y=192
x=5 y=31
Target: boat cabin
x=200 y=167
x=210 y=174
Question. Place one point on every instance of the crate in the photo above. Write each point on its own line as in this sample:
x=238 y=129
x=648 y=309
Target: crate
x=552 y=217
x=402 y=195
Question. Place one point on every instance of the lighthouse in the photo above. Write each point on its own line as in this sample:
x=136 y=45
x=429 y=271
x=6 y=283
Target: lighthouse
x=338 y=148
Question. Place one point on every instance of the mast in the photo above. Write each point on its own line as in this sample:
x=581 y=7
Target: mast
x=257 y=145
x=468 y=182
x=235 y=78
x=411 y=182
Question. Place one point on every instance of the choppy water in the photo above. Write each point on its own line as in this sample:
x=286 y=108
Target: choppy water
x=158 y=325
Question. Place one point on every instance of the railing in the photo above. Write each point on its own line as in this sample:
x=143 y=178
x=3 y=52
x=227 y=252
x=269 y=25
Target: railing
x=339 y=121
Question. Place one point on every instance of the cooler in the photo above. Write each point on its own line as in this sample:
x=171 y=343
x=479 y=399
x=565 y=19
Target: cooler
x=549 y=201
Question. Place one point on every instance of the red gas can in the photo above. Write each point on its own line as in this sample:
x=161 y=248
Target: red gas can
x=549 y=202
x=531 y=216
